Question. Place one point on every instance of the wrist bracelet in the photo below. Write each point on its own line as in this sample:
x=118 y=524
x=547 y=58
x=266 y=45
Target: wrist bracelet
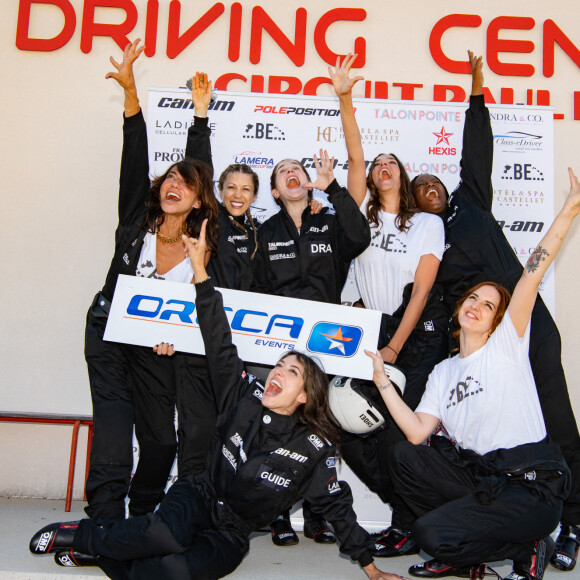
x=391 y=348
x=386 y=386
x=133 y=111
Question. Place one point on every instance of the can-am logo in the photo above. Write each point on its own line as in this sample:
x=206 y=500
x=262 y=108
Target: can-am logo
x=440 y=146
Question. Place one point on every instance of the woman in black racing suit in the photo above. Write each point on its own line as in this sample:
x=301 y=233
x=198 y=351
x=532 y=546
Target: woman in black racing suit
x=273 y=444
x=477 y=250
x=130 y=384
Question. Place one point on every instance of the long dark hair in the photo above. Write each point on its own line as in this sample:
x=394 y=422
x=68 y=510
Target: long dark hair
x=407 y=205
x=504 y=300
x=316 y=413
x=275 y=174
x=199 y=176
x=246 y=170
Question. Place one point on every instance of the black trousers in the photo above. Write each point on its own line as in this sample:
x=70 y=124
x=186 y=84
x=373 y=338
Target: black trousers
x=132 y=385
x=113 y=416
x=368 y=456
x=546 y=361
x=190 y=537
x=452 y=526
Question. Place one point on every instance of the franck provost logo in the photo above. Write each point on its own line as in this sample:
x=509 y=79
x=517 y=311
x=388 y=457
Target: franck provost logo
x=334 y=339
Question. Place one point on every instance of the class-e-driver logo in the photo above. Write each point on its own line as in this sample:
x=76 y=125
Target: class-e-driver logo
x=334 y=339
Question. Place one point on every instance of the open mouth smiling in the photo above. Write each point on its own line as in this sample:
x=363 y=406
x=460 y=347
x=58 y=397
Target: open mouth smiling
x=292 y=182
x=385 y=173
x=274 y=388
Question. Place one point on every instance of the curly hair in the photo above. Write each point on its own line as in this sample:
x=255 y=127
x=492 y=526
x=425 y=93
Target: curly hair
x=316 y=413
x=407 y=205
x=504 y=300
x=246 y=170
x=199 y=176
x=275 y=174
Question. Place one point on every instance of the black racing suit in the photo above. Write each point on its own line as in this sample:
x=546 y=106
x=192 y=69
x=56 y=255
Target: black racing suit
x=311 y=264
x=471 y=508
x=131 y=384
x=231 y=267
x=478 y=251
x=261 y=462
x=116 y=405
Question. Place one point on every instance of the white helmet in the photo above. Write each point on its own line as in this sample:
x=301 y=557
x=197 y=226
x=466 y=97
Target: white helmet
x=355 y=411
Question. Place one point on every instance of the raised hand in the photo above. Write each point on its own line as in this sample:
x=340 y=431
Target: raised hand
x=476 y=63
x=201 y=93
x=196 y=249
x=340 y=75
x=324 y=167
x=572 y=202
x=124 y=75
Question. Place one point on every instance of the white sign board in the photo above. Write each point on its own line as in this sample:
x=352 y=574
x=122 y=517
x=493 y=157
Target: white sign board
x=146 y=312
x=262 y=129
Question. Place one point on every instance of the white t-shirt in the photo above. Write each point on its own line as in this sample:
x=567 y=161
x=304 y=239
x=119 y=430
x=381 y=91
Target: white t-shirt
x=147 y=266
x=391 y=260
x=488 y=400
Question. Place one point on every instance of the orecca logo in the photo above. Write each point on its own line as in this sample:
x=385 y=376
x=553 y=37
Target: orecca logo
x=334 y=339
x=180 y=312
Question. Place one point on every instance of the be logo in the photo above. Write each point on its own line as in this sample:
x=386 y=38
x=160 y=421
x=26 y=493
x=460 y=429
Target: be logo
x=264 y=131
x=525 y=172
x=334 y=339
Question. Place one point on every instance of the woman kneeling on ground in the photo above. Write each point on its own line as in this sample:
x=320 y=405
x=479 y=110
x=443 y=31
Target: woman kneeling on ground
x=499 y=493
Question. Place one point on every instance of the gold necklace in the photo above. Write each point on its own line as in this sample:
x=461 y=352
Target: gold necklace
x=164 y=239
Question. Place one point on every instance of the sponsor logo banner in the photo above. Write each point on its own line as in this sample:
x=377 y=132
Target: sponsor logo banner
x=261 y=130
x=146 y=312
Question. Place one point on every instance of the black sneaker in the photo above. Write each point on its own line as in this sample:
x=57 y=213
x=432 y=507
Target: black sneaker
x=393 y=542
x=72 y=559
x=436 y=569
x=566 y=550
x=317 y=529
x=54 y=538
x=534 y=570
x=283 y=534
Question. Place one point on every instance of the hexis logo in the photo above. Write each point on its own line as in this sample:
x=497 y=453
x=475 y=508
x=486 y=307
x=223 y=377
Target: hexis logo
x=334 y=339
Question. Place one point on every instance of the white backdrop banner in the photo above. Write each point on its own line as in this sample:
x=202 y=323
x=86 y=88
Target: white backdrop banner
x=145 y=312
x=262 y=129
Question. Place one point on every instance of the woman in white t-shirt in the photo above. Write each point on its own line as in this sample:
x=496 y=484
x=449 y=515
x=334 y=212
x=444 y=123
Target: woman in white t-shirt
x=395 y=275
x=501 y=491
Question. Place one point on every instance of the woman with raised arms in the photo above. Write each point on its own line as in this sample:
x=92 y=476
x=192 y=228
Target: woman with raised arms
x=499 y=493
x=395 y=275
x=306 y=254
x=130 y=384
x=201 y=528
x=478 y=250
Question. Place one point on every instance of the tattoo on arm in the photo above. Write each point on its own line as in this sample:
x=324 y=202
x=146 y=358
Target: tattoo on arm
x=535 y=258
